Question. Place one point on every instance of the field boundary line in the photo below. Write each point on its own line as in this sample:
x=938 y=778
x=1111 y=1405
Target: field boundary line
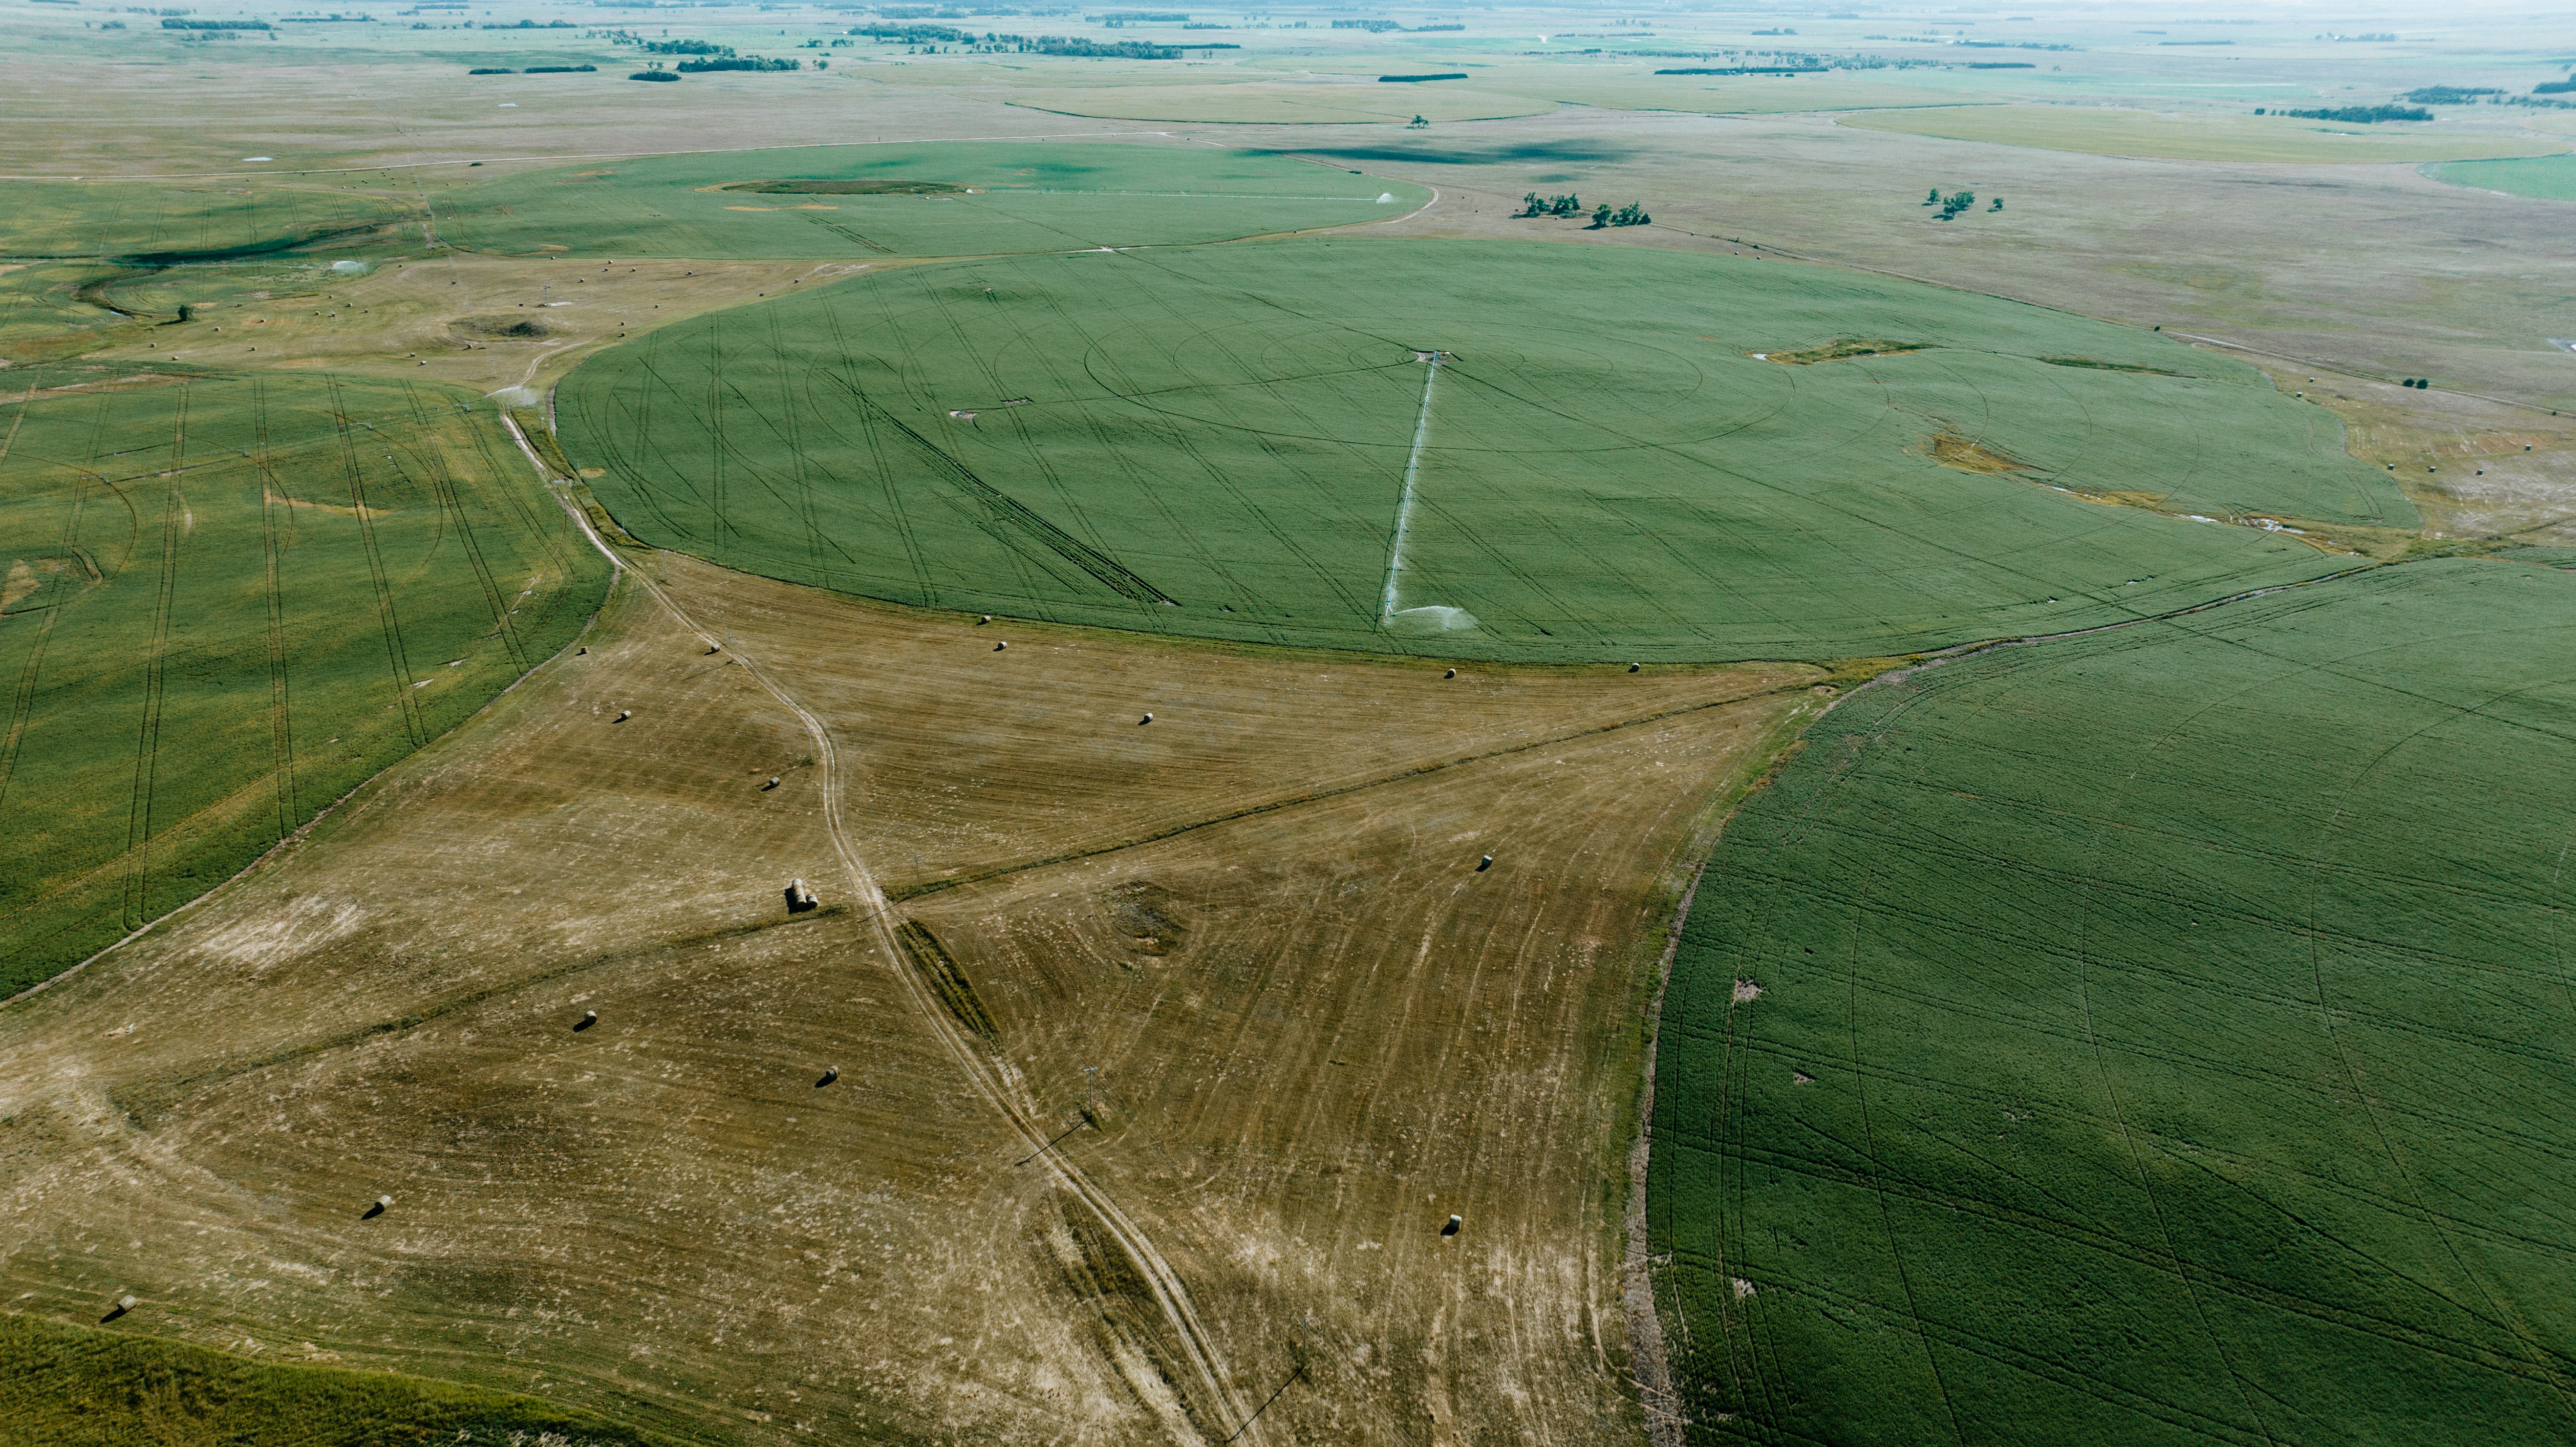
x=876 y=911
x=1273 y=806
x=1667 y=1424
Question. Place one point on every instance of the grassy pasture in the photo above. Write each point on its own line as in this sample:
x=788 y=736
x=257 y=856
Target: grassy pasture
x=226 y=601
x=2113 y=132
x=1608 y=469
x=123 y=218
x=63 y=1386
x=1029 y=197
x=1640 y=89
x=1263 y=103
x=2547 y=178
x=2160 y=1039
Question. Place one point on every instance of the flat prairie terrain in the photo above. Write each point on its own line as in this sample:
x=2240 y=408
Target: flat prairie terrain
x=940 y=200
x=1624 y=455
x=1255 y=916
x=2146 y=1038
x=2204 y=137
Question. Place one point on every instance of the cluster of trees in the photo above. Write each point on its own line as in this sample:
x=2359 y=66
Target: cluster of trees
x=2359 y=115
x=2555 y=87
x=738 y=62
x=1631 y=214
x=1956 y=202
x=2418 y=383
x=214 y=25
x=1079 y=46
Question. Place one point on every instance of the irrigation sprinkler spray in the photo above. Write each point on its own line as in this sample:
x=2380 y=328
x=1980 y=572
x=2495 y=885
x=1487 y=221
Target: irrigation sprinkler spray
x=1404 y=507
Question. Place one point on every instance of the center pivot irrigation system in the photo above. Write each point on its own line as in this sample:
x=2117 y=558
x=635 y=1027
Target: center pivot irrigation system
x=1412 y=463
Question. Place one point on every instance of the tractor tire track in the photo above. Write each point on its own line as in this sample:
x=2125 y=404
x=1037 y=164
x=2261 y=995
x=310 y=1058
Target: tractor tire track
x=397 y=657
x=273 y=494
x=147 y=745
x=1197 y=1343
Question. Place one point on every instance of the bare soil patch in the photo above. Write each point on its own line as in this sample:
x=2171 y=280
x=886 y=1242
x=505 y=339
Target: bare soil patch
x=1844 y=350
x=1966 y=454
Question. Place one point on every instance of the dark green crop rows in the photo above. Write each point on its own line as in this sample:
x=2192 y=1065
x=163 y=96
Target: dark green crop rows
x=225 y=601
x=1214 y=441
x=2163 y=1037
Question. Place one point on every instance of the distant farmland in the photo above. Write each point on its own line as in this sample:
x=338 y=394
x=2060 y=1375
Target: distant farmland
x=916 y=200
x=1614 y=461
x=123 y=218
x=2155 y=1037
x=228 y=600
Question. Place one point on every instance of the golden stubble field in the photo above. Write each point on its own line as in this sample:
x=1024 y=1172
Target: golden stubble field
x=1318 y=1030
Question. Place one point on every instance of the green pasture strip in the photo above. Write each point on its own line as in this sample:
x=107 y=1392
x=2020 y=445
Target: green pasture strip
x=2547 y=178
x=1607 y=471
x=70 y=1386
x=2162 y=1038
x=225 y=602
x=1029 y=196
x=131 y=218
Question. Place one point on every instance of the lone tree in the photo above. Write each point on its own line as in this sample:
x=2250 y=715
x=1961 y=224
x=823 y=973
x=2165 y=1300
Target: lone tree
x=1933 y=198
x=1600 y=217
x=1418 y=124
x=1998 y=206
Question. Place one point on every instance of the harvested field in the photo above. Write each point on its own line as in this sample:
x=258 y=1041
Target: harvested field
x=2148 y=1027
x=1320 y=1031
x=1218 y=441
x=912 y=201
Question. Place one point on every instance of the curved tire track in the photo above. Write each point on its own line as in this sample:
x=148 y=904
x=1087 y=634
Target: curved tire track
x=1191 y=1334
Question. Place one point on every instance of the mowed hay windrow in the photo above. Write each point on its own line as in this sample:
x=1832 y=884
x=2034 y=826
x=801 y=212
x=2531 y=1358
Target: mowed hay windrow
x=662 y=1218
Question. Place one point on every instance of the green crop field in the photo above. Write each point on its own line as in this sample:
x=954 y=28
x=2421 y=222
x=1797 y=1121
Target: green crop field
x=2160 y=1038
x=2201 y=137
x=227 y=600
x=1221 y=441
x=1024 y=197
x=63 y=1386
x=2548 y=178
x=124 y=218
